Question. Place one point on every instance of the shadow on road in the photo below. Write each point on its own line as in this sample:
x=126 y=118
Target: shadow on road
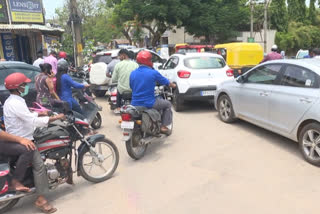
x=285 y=144
x=198 y=107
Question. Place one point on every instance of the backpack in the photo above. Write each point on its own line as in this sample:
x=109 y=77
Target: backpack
x=151 y=122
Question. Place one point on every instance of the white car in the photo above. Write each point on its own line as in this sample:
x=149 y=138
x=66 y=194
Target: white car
x=197 y=76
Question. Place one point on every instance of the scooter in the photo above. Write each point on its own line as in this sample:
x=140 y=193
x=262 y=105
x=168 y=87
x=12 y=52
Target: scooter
x=141 y=126
x=58 y=149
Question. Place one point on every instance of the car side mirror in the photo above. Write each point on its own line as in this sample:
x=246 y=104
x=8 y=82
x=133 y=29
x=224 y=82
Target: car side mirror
x=160 y=67
x=240 y=79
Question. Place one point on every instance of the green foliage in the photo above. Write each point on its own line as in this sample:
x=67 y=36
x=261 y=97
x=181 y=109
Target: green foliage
x=299 y=36
x=279 y=15
x=297 y=10
x=312 y=12
x=217 y=20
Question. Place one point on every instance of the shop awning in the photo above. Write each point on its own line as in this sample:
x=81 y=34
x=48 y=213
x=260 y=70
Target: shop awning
x=35 y=27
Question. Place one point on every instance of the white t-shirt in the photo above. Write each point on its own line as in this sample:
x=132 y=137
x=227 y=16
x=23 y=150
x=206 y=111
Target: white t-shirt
x=38 y=62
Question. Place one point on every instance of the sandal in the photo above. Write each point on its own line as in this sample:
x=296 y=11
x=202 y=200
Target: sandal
x=46 y=208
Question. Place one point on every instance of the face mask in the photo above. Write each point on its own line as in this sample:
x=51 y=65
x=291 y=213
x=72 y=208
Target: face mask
x=26 y=91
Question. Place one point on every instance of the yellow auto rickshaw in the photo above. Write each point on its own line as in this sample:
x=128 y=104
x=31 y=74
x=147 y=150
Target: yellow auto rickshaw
x=240 y=56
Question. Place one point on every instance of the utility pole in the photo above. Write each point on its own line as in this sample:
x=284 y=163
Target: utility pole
x=251 y=19
x=265 y=25
x=75 y=22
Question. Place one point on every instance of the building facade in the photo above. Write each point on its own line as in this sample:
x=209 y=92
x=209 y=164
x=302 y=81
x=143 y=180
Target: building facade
x=23 y=32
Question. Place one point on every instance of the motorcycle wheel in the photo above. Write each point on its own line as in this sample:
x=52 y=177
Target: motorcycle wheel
x=170 y=127
x=88 y=161
x=99 y=93
x=134 y=151
x=97 y=121
x=7 y=205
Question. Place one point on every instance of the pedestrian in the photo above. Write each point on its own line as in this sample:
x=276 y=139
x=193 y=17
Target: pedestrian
x=274 y=55
x=39 y=59
x=52 y=60
x=316 y=52
x=121 y=75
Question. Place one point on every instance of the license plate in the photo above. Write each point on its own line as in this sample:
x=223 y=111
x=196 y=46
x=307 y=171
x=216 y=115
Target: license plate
x=127 y=125
x=207 y=93
x=113 y=98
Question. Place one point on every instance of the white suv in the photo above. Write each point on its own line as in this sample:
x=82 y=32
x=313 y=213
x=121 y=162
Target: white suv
x=197 y=76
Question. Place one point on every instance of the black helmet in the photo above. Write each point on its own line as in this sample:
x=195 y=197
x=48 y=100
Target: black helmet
x=63 y=66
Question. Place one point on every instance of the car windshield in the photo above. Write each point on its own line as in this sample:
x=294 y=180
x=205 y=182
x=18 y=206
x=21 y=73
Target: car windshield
x=204 y=62
x=302 y=54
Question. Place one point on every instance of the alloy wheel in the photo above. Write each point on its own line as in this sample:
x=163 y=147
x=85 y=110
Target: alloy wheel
x=311 y=144
x=225 y=109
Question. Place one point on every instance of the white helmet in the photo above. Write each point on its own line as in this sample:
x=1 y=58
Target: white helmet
x=274 y=47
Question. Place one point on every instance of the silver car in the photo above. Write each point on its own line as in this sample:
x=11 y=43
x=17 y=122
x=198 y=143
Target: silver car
x=281 y=96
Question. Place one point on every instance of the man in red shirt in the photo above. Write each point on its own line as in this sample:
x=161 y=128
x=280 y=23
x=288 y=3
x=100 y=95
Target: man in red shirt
x=273 y=55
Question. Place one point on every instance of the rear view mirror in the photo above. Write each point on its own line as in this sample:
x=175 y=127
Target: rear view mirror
x=240 y=79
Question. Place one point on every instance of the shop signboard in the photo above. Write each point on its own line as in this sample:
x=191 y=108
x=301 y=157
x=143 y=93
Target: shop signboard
x=3 y=12
x=8 y=46
x=28 y=11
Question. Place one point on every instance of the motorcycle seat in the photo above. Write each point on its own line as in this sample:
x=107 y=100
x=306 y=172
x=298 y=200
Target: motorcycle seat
x=127 y=95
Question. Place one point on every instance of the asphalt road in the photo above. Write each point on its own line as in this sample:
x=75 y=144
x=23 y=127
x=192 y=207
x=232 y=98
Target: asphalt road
x=206 y=166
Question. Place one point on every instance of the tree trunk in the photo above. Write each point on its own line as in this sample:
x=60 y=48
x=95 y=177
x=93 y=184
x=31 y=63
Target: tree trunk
x=126 y=34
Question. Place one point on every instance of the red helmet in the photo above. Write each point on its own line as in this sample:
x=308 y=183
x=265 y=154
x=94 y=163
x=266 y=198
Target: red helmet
x=62 y=54
x=145 y=58
x=13 y=81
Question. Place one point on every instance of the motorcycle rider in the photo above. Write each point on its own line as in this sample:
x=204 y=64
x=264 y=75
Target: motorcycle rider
x=143 y=81
x=21 y=122
x=112 y=64
x=22 y=148
x=65 y=85
x=273 y=55
x=62 y=56
x=121 y=75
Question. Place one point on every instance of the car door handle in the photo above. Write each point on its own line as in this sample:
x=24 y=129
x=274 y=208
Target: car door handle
x=264 y=94
x=305 y=100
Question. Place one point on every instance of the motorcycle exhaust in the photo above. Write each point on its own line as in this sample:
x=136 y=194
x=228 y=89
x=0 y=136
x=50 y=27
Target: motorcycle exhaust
x=9 y=197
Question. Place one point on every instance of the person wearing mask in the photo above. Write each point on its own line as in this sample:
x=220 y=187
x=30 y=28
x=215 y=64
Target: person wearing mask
x=143 y=81
x=22 y=148
x=46 y=94
x=273 y=55
x=19 y=121
x=39 y=60
x=52 y=60
x=65 y=85
x=121 y=75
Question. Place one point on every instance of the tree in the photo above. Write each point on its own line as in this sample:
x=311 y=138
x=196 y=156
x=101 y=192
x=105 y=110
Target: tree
x=217 y=20
x=156 y=16
x=279 y=15
x=312 y=12
x=297 y=10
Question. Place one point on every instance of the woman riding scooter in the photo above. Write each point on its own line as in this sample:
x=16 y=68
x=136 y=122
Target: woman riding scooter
x=65 y=85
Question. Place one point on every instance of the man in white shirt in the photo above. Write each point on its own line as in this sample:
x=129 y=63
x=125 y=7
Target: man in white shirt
x=21 y=122
x=40 y=60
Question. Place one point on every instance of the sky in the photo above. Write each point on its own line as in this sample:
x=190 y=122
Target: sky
x=50 y=7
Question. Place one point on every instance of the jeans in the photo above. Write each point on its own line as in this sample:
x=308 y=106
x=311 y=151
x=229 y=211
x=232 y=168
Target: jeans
x=25 y=157
x=165 y=107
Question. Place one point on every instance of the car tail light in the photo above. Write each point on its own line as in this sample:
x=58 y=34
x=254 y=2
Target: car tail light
x=126 y=117
x=229 y=73
x=107 y=54
x=184 y=74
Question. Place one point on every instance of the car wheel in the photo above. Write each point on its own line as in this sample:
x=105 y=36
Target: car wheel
x=225 y=109
x=177 y=101
x=309 y=142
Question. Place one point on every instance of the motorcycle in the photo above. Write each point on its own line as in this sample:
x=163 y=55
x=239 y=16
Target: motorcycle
x=96 y=159
x=141 y=126
x=112 y=97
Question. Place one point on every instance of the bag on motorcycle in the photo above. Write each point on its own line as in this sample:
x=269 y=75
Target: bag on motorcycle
x=151 y=122
x=4 y=172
